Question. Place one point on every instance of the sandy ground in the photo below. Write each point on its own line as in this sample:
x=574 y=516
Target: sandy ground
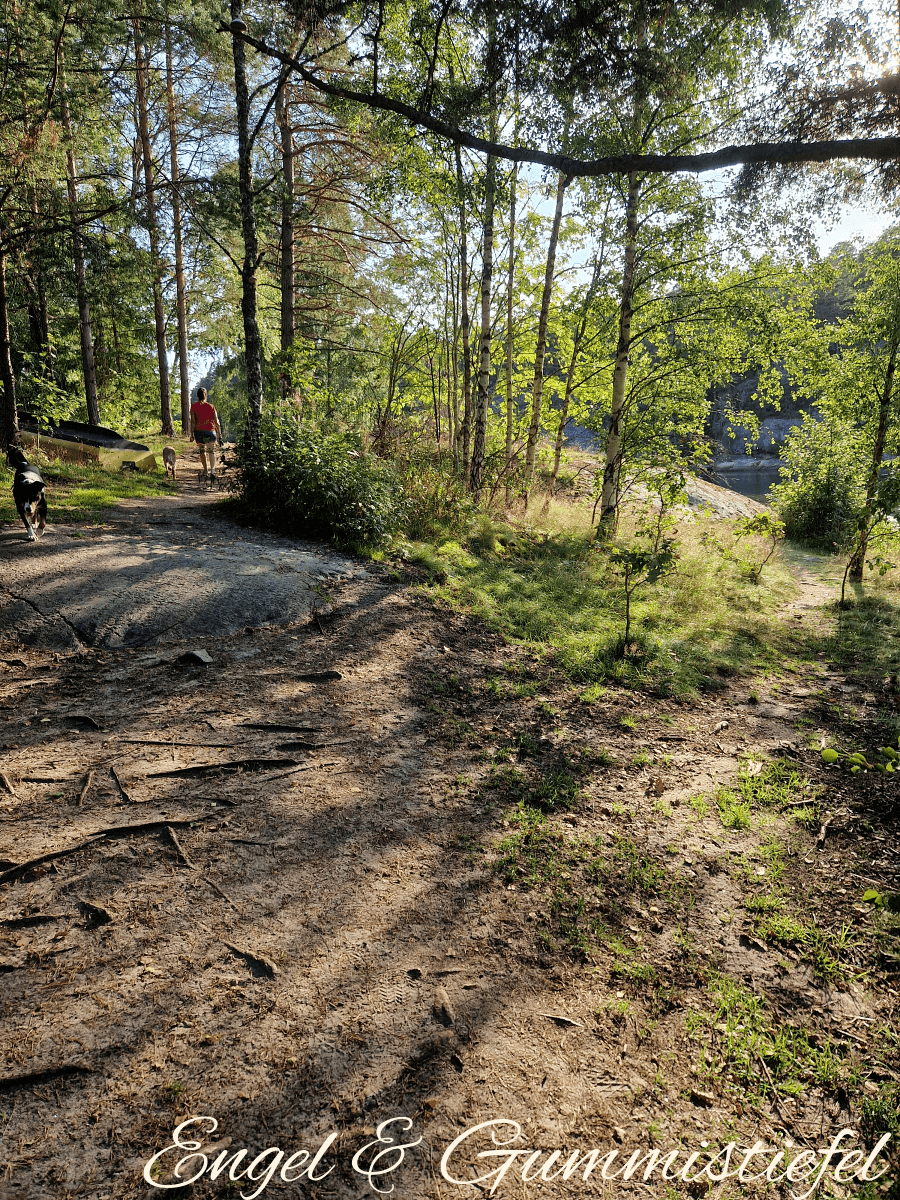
x=159 y=569
x=271 y=898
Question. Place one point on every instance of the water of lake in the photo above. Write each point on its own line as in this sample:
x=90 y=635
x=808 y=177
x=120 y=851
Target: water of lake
x=749 y=480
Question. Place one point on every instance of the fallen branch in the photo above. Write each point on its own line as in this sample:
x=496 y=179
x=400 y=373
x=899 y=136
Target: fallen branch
x=240 y=764
x=288 y=746
x=88 y=781
x=118 y=783
x=823 y=832
x=275 y=727
x=221 y=892
x=179 y=848
x=7 y=785
x=260 y=962
x=114 y=831
x=192 y=745
x=561 y=1020
x=151 y=636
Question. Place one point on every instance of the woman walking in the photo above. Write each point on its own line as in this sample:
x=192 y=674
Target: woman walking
x=205 y=431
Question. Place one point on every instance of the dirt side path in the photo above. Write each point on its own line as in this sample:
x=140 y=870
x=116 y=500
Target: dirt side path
x=302 y=925
x=158 y=570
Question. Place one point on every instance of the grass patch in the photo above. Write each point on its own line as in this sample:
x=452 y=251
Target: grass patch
x=743 y=1045
x=823 y=948
x=760 y=786
x=551 y=587
x=80 y=492
x=582 y=885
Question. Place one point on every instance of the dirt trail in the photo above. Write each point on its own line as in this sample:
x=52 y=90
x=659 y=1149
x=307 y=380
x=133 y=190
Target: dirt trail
x=318 y=940
x=158 y=570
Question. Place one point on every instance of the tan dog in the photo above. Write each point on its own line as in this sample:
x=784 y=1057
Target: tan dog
x=169 y=460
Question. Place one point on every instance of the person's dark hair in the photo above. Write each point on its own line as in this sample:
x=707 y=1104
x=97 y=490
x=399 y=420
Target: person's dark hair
x=201 y=395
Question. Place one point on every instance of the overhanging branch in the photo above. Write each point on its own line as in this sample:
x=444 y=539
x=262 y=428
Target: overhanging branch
x=775 y=153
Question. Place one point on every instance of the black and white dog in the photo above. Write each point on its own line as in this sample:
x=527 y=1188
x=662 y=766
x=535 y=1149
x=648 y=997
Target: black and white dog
x=28 y=492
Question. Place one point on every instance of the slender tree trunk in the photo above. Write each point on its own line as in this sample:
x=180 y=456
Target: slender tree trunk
x=434 y=397
x=180 y=296
x=252 y=340
x=283 y=119
x=570 y=379
x=537 y=390
x=609 y=496
x=510 y=292
x=117 y=350
x=38 y=315
x=9 y=421
x=159 y=314
x=484 y=365
x=464 y=318
x=452 y=347
x=884 y=410
x=563 y=418
x=84 y=308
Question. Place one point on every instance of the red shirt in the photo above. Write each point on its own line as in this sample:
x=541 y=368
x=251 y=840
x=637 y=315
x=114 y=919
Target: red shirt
x=204 y=416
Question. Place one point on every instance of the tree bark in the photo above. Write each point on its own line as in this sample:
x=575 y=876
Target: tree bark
x=509 y=326
x=464 y=319
x=84 y=307
x=180 y=294
x=452 y=346
x=283 y=119
x=9 y=421
x=874 y=149
x=537 y=391
x=609 y=496
x=252 y=341
x=884 y=409
x=484 y=366
x=38 y=313
x=159 y=315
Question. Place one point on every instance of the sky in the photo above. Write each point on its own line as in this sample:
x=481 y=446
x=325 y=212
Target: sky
x=855 y=222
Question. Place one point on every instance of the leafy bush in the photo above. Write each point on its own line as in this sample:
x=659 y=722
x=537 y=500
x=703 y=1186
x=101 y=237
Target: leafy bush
x=436 y=502
x=821 y=499
x=317 y=483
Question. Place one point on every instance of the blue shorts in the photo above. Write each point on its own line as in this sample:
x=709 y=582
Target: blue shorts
x=202 y=436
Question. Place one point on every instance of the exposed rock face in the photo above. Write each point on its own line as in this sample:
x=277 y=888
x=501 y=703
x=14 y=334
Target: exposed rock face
x=775 y=423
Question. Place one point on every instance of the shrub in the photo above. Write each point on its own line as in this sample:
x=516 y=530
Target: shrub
x=821 y=499
x=436 y=502
x=318 y=483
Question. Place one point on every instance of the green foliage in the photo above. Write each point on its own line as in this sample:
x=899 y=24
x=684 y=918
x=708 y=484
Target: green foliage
x=639 y=565
x=766 y=526
x=437 y=506
x=738 y=1034
x=885 y=759
x=317 y=483
x=821 y=497
x=733 y=811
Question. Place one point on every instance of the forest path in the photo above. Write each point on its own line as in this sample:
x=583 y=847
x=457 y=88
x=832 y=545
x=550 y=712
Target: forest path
x=313 y=905
x=158 y=569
